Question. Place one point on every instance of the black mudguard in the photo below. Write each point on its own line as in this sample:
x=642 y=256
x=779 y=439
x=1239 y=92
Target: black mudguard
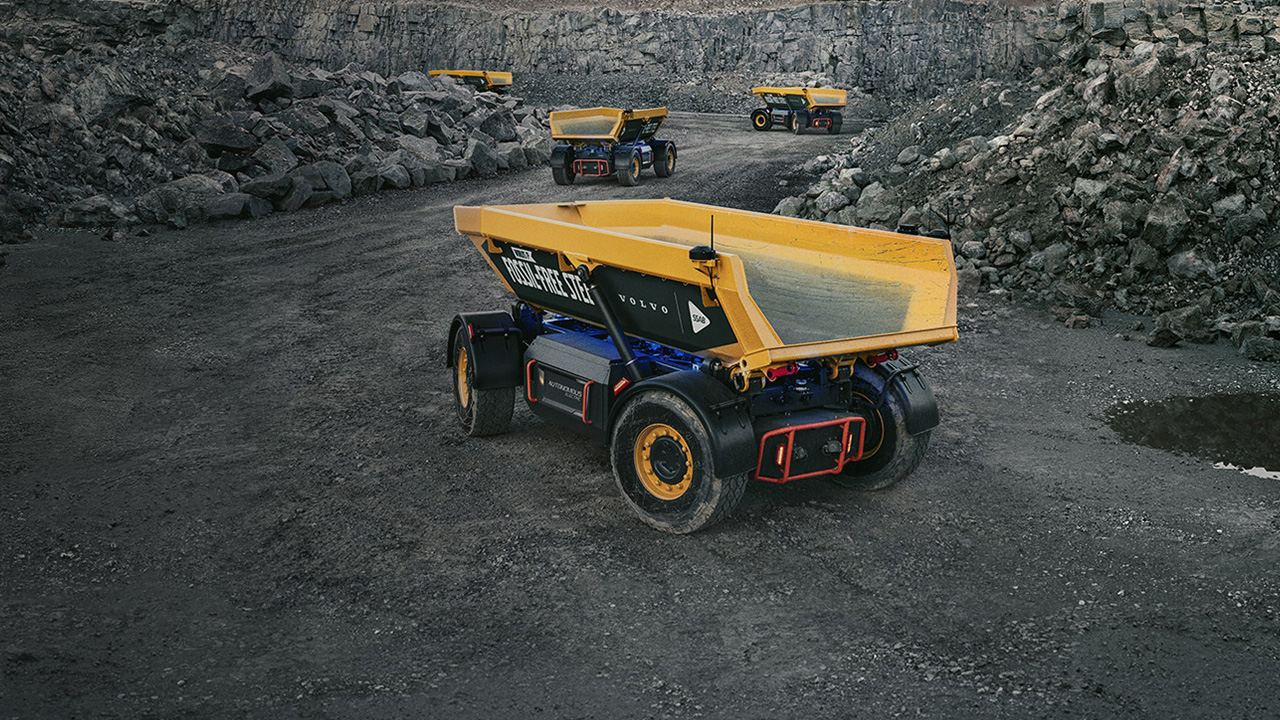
x=494 y=345
x=622 y=156
x=723 y=411
x=902 y=378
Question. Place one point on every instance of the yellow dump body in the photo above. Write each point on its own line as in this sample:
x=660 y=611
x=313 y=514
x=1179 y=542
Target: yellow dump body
x=484 y=79
x=780 y=289
x=813 y=98
x=602 y=123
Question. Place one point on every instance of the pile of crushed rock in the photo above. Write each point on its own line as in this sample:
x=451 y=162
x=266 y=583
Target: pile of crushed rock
x=1144 y=179
x=173 y=133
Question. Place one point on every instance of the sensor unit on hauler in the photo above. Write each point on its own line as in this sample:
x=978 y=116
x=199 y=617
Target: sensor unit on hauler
x=707 y=347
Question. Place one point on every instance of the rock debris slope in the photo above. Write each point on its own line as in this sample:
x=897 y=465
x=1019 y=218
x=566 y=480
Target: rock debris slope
x=164 y=132
x=1139 y=175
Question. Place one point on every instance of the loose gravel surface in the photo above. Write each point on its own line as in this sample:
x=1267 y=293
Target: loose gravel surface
x=231 y=485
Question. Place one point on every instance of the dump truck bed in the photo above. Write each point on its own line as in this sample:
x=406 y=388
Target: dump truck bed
x=602 y=123
x=490 y=78
x=814 y=98
x=781 y=289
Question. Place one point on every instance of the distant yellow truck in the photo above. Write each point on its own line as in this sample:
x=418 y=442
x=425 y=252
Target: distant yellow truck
x=599 y=142
x=481 y=79
x=799 y=108
x=707 y=346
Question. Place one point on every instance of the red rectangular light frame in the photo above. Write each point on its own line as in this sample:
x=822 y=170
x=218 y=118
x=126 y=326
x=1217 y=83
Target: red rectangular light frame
x=846 y=447
x=598 y=168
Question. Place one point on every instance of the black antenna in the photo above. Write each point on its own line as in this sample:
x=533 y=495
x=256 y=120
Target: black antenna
x=713 y=233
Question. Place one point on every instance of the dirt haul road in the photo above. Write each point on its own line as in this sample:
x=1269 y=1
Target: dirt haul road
x=232 y=485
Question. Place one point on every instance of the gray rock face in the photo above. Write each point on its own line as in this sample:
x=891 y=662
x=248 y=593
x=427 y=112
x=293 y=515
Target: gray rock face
x=884 y=47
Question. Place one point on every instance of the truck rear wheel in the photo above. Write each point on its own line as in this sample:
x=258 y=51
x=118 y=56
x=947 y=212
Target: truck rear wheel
x=798 y=124
x=664 y=160
x=481 y=412
x=562 y=175
x=761 y=120
x=664 y=465
x=834 y=127
x=629 y=171
x=890 y=453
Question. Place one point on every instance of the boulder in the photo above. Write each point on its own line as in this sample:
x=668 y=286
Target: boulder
x=107 y=91
x=335 y=178
x=269 y=79
x=396 y=176
x=1167 y=222
x=220 y=134
x=482 y=158
x=1262 y=348
x=1187 y=323
x=1249 y=223
x=789 y=207
x=877 y=204
x=271 y=187
x=178 y=203
x=500 y=125
x=1188 y=265
x=275 y=157
x=1142 y=82
x=95 y=211
x=304 y=119
x=830 y=201
x=1055 y=257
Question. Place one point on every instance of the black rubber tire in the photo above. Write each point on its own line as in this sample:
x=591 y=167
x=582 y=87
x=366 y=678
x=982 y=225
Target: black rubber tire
x=708 y=498
x=890 y=453
x=834 y=127
x=798 y=124
x=563 y=175
x=761 y=120
x=629 y=171
x=481 y=412
x=664 y=160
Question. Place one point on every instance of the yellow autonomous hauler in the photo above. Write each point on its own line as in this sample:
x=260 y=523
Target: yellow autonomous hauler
x=707 y=346
x=799 y=108
x=494 y=80
x=604 y=142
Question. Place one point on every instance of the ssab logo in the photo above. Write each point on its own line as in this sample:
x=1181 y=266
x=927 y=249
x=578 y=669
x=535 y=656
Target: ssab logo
x=700 y=321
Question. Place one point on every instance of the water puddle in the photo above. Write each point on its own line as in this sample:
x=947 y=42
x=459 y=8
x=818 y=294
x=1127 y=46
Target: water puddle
x=1237 y=432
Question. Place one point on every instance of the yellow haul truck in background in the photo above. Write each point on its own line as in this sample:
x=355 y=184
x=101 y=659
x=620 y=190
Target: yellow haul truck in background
x=603 y=142
x=799 y=108
x=705 y=346
x=481 y=79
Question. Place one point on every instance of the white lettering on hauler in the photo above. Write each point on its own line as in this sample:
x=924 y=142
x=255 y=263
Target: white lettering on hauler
x=549 y=280
x=699 y=320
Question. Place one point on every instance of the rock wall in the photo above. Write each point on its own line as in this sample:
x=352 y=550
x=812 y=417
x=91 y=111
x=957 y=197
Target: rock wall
x=908 y=47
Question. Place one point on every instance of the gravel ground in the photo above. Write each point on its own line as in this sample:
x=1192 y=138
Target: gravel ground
x=231 y=485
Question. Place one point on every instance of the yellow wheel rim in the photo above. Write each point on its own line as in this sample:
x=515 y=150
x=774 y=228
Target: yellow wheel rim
x=658 y=467
x=671 y=161
x=464 y=389
x=635 y=167
x=760 y=120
